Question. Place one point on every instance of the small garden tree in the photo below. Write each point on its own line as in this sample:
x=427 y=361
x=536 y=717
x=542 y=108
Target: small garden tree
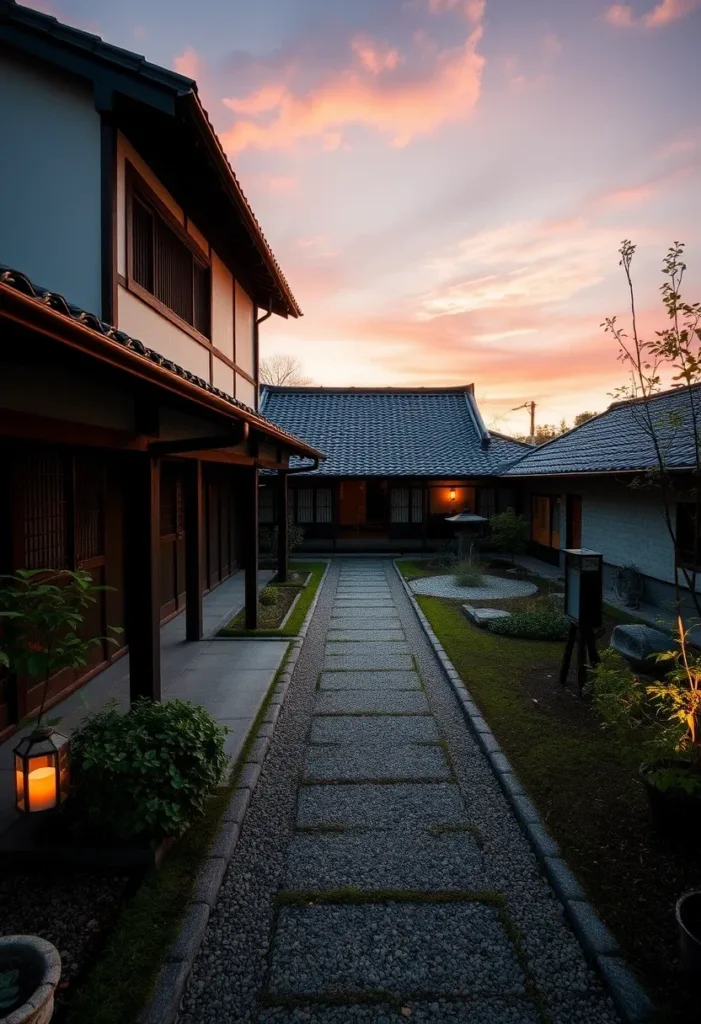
x=509 y=532
x=674 y=352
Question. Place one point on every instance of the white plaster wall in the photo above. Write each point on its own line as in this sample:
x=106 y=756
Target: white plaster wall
x=223 y=376
x=245 y=357
x=141 y=321
x=222 y=307
x=628 y=528
x=245 y=391
x=50 y=181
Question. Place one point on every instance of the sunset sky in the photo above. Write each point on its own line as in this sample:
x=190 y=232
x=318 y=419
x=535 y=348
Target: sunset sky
x=446 y=182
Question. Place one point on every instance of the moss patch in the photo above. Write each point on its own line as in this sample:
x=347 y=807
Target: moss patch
x=269 y=617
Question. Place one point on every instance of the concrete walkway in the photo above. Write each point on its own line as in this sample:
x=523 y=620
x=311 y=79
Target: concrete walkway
x=380 y=873
x=229 y=677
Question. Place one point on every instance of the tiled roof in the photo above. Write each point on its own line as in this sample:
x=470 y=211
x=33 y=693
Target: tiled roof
x=392 y=432
x=91 y=51
x=21 y=283
x=619 y=440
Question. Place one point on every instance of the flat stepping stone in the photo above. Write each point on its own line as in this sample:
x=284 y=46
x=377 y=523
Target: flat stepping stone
x=356 y=602
x=403 y=805
x=483 y=616
x=389 y=702
x=365 y=635
x=372 y=648
x=452 y=949
x=367 y=662
x=385 y=860
x=372 y=763
x=352 y=620
x=482 y=1010
x=346 y=729
x=370 y=681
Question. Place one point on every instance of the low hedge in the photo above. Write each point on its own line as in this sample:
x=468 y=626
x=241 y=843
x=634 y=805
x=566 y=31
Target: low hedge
x=540 y=624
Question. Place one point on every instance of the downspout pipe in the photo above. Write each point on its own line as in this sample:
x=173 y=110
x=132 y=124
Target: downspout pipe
x=258 y=322
x=304 y=469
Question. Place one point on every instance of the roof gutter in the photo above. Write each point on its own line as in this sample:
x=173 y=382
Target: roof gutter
x=304 y=469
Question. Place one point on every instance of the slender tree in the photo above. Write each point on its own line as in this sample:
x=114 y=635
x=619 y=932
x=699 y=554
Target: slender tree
x=283 y=370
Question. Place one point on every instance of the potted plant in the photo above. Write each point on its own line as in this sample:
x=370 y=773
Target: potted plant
x=30 y=969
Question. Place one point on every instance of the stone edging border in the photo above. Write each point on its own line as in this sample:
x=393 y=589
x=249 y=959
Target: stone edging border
x=172 y=981
x=599 y=945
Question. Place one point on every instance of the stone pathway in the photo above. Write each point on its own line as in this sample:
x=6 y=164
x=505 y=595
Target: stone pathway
x=380 y=873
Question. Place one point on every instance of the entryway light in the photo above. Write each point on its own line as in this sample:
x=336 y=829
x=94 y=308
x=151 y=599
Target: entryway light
x=41 y=771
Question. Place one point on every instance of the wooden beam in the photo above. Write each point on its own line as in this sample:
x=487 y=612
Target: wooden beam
x=249 y=478
x=200 y=444
x=194 y=526
x=142 y=584
x=283 y=552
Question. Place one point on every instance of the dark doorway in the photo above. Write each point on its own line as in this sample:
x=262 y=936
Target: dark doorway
x=574 y=521
x=377 y=507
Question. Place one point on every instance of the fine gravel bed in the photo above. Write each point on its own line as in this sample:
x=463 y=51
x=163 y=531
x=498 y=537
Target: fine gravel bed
x=493 y=588
x=356 y=764
x=372 y=729
x=412 y=860
x=373 y=901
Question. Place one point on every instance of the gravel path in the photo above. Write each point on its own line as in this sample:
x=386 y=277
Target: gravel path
x=380 y=872
x=493 y=588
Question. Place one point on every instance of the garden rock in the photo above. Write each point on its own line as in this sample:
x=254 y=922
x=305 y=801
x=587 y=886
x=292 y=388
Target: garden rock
x=481 y=616
x=639 y=644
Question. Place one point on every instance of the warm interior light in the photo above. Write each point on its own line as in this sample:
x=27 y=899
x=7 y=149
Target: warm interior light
x=452 y=494
x=42 y=788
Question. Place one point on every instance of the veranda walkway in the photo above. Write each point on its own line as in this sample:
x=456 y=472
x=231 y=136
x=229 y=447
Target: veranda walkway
x=380 y=873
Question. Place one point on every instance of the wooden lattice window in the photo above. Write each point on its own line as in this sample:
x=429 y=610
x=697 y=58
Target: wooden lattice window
x=89 y=508
x=45 y=512
x=164 y=262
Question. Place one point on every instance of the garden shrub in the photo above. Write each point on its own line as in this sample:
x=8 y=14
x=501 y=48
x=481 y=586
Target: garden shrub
x=268 y=597
x=445 y=556
x=145 y=775
x=508 y=532
x=469 y=574
x=267 y=538
x=541 y=622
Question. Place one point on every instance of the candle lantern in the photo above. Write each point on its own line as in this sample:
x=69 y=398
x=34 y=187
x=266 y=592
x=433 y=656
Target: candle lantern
x=583 y=607
x=41 y=771
x=452 y=494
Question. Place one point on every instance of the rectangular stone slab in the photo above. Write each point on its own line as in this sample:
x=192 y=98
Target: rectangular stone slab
x=355 y=730
x=416 y=861
x=389 y=702
x=373 y=761
x=365 y=635
x=370 y=621
x=367 y=662
x=355 y=602
x=376 y=648
x=452 y=949
x=402 y=805
x=369 y=681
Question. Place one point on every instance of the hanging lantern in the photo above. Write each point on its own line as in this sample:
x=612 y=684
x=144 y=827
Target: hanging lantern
x=452 y=494
x=41 y=771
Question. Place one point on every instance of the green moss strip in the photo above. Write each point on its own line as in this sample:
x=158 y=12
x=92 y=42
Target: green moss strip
x=294 y=623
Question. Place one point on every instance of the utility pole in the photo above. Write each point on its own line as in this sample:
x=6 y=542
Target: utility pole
x=531 y=407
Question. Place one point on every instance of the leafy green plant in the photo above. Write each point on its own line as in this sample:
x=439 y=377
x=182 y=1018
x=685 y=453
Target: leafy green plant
x=44 y=611
x=508 y=532
x=267 y=538
x=445 y=555
x=469 y=574
x=543 y=621
x=9 y=988
x=146 y=774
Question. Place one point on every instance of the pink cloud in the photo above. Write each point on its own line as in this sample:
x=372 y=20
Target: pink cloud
x=373 y=58
x=621 y=198
x=278 y=184
x=188 y=63
x=663 y=13
x=472 y=9
x=400 y=110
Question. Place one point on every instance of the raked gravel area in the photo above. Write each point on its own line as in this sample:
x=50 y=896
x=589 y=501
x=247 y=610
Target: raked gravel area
x=494 y=588
x=380 y=873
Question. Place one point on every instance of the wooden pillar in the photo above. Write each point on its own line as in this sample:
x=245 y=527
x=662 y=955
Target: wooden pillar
x=283 y=540
x=250 y=541
x=425 y=509
x=335 y=512
x=142 y=584
x=194 y=525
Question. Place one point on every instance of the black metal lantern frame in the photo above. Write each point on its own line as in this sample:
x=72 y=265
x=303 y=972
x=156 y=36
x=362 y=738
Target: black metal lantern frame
x=42 y=776
x=583 y=607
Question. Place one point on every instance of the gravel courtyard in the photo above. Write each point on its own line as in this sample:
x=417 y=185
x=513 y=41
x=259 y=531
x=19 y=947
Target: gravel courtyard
x=380 y=873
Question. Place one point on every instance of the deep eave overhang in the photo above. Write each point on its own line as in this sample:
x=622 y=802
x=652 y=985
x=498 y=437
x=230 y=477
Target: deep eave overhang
x=87 y=334
x=115 y=70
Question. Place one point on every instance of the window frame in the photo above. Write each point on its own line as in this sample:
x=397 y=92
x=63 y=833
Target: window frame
x=135 y=185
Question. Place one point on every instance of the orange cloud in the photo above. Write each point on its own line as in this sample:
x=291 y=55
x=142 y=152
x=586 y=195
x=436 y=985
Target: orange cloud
x=400 y=110
x=373 y=58
x=278 y=184
x=663 y=13
x=188 y=63
x=622 y=198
